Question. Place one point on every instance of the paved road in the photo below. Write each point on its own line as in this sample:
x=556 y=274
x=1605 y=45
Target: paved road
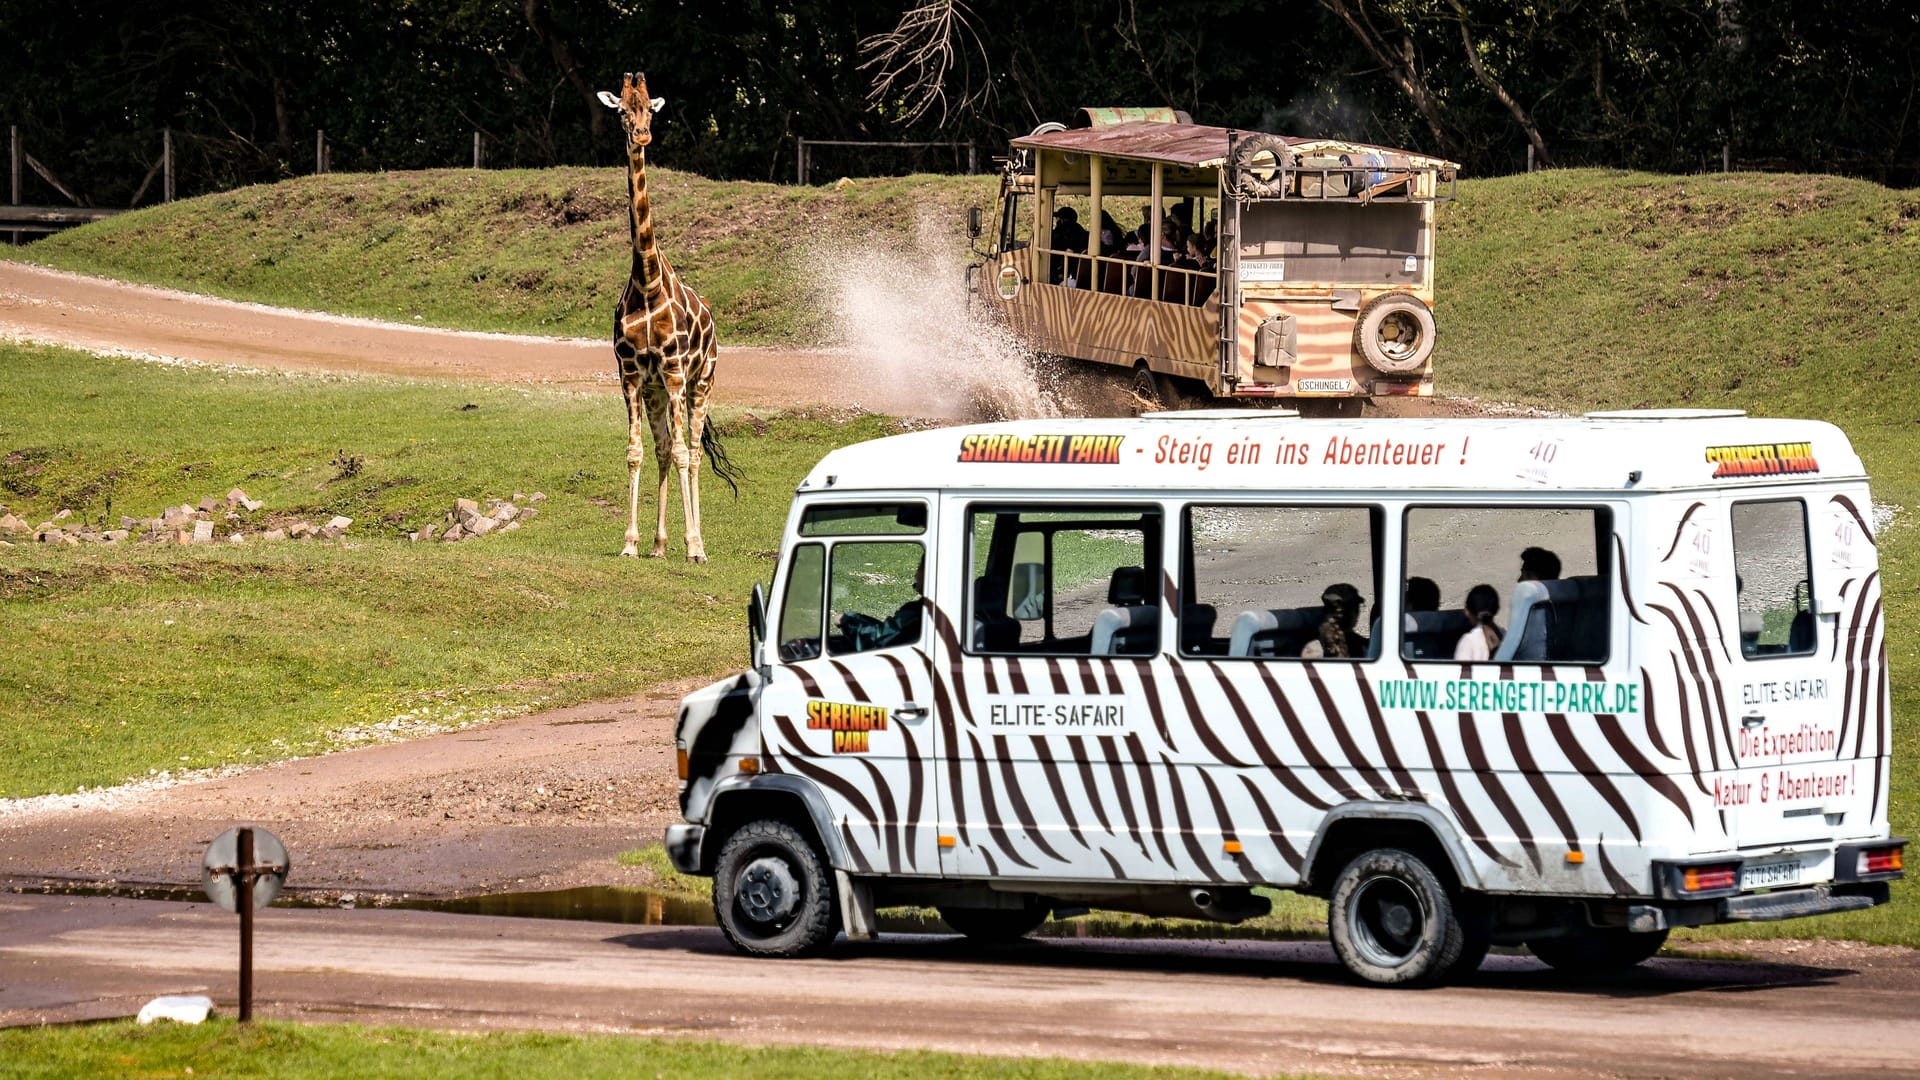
x=1245 y=1006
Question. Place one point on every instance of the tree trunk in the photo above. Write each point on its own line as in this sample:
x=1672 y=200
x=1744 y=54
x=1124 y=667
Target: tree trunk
x=542 y=24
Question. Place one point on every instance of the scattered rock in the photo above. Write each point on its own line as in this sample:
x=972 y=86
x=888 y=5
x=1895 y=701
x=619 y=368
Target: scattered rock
x=203 y=532
x=505 y=512
x=481 y=526
x=11 y=524
x=510 y=526
x=63 y=515
x=463 y=509
x=114 y=536
x=340 y=523
x=455 y=532
x=209 y=504
x=239 y=498
x=300 y=530
x=236 y=538
x=274 y=534
x=536 y=497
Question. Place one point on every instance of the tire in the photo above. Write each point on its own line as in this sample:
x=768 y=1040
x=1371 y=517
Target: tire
x=995 y=926
x=1148 y=394
x=1394 y=922
x=1598 y=951
x=1274 y=184
x=773 y=893
x=1395 y=334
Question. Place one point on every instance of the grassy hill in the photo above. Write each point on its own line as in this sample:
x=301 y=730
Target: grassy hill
x=1783 y=295
x=523 y=251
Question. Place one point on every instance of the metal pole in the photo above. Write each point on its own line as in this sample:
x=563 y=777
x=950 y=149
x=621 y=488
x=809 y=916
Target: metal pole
x=973 y=159
x=476 y=149
x=13 y=140
x=319 y=151
x=1726 y=157
x=1529 y=157
x=243 y=898
x=166 y=164
x=800 y=162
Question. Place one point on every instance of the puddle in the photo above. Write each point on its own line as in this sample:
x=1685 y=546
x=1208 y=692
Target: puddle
x=647 y=907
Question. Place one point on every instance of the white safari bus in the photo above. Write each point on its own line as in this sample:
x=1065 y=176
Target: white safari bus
x=1150 y=665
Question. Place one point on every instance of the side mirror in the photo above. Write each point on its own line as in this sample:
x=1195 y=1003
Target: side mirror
x=756 y=625
x=973 y=222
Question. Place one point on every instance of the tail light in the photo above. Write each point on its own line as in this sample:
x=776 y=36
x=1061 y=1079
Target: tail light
x=1887 y=860
x=1710 y=878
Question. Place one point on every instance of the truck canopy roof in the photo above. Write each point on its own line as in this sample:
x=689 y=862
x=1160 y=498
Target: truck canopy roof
x=1268 y=451
x=1200 y=146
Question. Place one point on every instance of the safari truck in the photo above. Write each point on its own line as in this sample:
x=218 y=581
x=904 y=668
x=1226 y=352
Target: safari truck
x=1312 y=277
x=1168 y=663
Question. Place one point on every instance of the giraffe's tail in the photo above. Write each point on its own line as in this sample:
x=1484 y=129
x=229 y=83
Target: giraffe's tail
x=717 y=459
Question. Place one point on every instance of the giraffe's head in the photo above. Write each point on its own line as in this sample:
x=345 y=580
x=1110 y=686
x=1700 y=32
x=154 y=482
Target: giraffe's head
x=636 y=109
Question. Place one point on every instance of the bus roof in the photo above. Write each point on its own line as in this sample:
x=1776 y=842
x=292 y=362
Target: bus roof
x=1196 y=145
x=1268 y=451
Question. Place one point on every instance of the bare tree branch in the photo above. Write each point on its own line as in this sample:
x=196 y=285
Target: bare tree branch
x=1520 y=116
x=915 y=62
x=1402 y=67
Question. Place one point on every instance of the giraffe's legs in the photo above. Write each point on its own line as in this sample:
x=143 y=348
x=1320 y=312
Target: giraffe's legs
x=630 y=389
x=698 y=388
x=683 y=463
x=666 y=444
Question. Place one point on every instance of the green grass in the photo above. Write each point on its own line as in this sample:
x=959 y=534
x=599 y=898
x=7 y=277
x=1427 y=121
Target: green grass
x=653 y=859
x=223 y=1048
x=131 y=658
x=537 y=252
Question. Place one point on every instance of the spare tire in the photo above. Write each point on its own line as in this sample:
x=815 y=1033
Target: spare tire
x=1395 y=334
x=1248 y=166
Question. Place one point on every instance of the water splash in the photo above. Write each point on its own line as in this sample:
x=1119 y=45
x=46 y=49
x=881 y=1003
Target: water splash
x=897 y=306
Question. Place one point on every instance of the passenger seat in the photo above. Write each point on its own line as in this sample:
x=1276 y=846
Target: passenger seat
x=1131 y=626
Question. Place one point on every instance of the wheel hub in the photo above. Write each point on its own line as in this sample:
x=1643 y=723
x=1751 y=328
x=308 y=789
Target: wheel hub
x=1387 y=921
x=767 y=890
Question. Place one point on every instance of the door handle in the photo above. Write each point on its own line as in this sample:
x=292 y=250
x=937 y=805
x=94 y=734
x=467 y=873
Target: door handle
x=909 y=713
x=1752 y=720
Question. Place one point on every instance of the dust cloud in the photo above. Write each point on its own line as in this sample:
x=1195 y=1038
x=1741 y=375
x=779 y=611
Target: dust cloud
x=897 y=306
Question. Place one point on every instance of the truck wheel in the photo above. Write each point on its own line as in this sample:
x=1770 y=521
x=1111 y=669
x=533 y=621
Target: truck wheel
x=1394 y=922
x=1395 y=334
x=772 y=892
x=995 y=926
x=1598 y=950
x=1147 y=393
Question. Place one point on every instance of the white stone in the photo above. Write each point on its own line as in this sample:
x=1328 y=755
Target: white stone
x=203 y=532
x=340 y=523
x=191 y=1009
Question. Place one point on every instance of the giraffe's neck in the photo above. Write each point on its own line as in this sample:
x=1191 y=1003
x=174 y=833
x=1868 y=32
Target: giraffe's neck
x=648 y=268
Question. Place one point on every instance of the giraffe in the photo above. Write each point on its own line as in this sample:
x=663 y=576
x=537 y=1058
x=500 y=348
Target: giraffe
x=663 y=341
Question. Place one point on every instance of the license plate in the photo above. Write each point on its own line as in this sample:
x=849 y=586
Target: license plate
x=1325 y=386
x=1766 y=875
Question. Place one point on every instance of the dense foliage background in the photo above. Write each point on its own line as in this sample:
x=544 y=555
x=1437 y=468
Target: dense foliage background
x=400 y=84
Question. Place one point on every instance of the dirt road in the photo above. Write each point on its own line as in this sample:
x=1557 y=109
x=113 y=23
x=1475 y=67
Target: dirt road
x=1243 y=1006
x=95 y=313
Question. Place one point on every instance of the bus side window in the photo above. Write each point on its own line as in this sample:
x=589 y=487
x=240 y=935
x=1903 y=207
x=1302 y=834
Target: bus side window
x=1064 y=582
x=1771 y=575
x=1281 y=582
x=800 y=608
x=1515 y=584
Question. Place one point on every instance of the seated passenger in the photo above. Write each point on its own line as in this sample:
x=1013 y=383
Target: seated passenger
x=864 y=632
x=1068 y=236
x=1339 y=613
x=1422 y=594
x=1483 y=603
x=1200 y=283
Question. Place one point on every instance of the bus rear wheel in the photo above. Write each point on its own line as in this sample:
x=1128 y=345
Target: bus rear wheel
x=1394 y=922
x=1149 y=391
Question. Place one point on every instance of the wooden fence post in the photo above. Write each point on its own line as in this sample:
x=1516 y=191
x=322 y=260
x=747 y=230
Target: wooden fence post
x=476 y=149
x=166 y=164
x=13 y=143
x=319 y=151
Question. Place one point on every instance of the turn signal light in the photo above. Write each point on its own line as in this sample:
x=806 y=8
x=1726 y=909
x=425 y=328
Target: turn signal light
x=1708 y=878
x=680 y=763
x=749 y=765
x=1881 y=861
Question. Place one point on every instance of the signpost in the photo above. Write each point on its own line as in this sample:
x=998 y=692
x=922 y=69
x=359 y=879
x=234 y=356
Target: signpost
x=244 y=870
